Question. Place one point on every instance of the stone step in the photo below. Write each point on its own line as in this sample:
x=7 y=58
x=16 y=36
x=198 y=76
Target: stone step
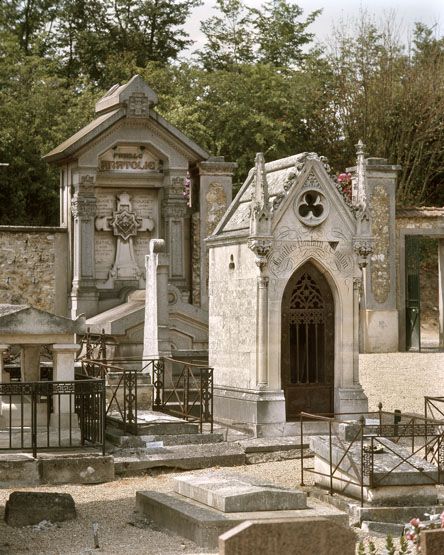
x=310 y=427
x=386 y=528
x=260 y=450
x=203 y=525
x=157 y=423
x=184 y=457
x=117 y=437
x=232 y=494
x=394 y=515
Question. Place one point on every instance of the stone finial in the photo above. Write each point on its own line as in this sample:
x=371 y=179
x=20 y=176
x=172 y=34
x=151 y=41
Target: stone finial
x=360 y=196
x=260 y=214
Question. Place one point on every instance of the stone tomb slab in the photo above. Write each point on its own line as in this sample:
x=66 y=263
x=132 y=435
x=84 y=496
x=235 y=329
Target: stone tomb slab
x=234 y=494
x=393 y=482
x=203 y=525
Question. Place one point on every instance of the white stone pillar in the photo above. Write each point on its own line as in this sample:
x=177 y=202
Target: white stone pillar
x=356 y=294
x=150 y=331
x=262 y=331
x=30 y=363
x=4 y=378
x=64 y=356
x=441 y=290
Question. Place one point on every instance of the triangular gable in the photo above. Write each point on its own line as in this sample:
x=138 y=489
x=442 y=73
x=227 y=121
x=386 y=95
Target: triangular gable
x=314 y=177
x=33 y=321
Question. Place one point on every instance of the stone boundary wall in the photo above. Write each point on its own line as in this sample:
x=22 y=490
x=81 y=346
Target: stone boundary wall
x=34 y=267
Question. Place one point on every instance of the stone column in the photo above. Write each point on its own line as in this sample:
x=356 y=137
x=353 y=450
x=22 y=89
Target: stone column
x=84 y=295
x=156 y=331
x=441 y=290
x=30 y=363
x=64 y=356
x=356 y=295
x=262 y=331
x=177 y=233
x=381 y=314
x=215 y=193
x=4 y=378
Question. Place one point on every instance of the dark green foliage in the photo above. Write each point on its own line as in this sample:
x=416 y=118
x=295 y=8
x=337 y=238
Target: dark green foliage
x=258 y=84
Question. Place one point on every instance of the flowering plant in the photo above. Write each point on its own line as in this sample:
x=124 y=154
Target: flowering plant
x=344 y=185
x=414 y=527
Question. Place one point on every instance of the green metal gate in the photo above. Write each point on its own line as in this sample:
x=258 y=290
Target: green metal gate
x=412 y=292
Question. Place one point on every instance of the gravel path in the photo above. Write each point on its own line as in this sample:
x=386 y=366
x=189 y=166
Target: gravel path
x=397 y=380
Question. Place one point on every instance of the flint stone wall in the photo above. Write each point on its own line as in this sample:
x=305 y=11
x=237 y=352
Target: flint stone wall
x=34 y=267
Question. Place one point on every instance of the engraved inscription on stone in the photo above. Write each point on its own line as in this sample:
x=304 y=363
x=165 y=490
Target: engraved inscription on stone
x=141 y=249
x=105 y=250
x=105 y=205
x=143 y=206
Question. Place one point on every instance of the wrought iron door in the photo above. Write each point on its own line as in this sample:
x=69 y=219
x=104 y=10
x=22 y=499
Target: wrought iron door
x=307 y=363
x=412 y=293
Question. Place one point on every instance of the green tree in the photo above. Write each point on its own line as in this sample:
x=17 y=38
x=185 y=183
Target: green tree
x=281 y=35
x=229 y=37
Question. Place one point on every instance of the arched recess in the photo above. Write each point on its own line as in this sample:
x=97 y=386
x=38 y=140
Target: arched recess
x=307 y=343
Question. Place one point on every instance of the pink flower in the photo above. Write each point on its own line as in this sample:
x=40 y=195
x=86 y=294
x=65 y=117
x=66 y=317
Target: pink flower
x=415 y=522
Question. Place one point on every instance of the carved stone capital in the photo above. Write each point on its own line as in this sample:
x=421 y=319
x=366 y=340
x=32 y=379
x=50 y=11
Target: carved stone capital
x=83 y=208
x=261 y=247
x=363 y=247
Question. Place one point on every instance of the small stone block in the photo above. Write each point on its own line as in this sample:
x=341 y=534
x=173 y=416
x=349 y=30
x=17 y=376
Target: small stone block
x=25 y=508
x=432 y=542
x=233 y=494
x=290 y=537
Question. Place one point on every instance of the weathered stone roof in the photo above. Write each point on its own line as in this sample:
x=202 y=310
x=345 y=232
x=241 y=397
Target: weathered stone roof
x=6 y=309
x=113 y=107
x=25 y=319
x=281 y=175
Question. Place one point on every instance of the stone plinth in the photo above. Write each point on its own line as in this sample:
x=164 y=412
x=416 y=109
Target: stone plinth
x=392 y=482
x=231 y=494
x=292 y=537
x=206 y=505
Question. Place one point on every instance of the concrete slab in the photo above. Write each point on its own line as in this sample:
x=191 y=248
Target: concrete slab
x=184 y=457
x=232 y=494
x=18 y=470
x=203 y=524
x=71 y=469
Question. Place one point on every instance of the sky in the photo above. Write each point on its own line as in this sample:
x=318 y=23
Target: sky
x=406 y=12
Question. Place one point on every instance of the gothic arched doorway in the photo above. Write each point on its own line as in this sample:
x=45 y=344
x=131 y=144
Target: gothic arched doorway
x=307 y=364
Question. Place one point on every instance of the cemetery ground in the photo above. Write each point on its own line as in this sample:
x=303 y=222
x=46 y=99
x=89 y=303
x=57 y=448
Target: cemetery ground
x=398 y=380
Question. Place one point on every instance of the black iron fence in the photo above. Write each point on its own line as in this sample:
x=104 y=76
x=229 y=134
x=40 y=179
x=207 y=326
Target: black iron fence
x=353 y=461
x=179 y=389
x=44 y=415
x=184 y=390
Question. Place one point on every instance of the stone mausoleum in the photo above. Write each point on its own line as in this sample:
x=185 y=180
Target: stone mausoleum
x=281 y=288
x=126 y=178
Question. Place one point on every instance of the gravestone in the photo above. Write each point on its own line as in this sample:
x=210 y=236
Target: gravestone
x=25 y=508
x=432 y=542
x=205 y=505
x=311 y=536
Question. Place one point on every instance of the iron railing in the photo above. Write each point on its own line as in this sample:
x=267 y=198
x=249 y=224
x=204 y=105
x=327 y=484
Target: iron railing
x=411 y=437
x=44 y=415
x=184 y=390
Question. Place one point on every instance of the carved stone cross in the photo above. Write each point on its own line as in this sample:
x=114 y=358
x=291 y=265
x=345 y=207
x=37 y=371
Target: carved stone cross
x=125 y=225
